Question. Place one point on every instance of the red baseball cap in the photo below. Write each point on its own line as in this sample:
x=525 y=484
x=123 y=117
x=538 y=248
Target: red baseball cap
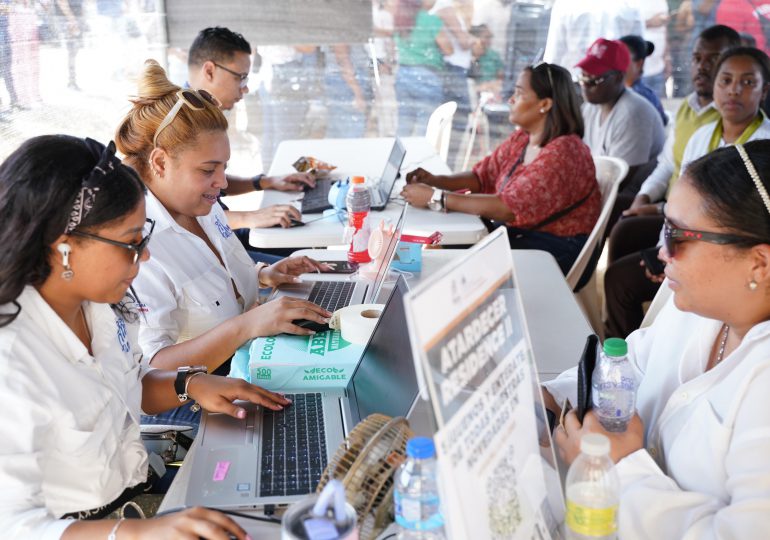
x=605 y=55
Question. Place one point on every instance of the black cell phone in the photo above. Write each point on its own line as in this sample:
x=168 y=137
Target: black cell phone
x=586 y=367
x=651 y=261
x=292 y=223
x=340 y=267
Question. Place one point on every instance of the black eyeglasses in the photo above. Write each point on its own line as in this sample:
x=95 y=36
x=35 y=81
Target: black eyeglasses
x=244 y=77
x=137 y=248
x=674 y=235
x=193 y=99
x=547 y=70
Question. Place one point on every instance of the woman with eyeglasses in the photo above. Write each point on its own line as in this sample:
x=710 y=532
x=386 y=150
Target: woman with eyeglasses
x=72 y=379
x=693 y=462
x=199 y=291
x=741 y=82
x=540 y=182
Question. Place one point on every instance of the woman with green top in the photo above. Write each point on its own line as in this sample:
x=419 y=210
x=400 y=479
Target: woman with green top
x=422 y=42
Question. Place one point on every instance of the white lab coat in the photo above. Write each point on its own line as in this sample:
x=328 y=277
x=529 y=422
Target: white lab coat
x=184 y=289
x=705 y=471
x=69 y=437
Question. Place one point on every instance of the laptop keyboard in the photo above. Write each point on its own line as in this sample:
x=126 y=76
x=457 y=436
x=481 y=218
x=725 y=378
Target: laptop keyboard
x=317 y=199
x=332 y=295
x=293 y=447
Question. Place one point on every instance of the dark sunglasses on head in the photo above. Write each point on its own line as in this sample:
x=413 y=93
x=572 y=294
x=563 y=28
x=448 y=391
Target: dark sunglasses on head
x=547 y=70
x=137 y=248
x=673 y=235
x=193 y=99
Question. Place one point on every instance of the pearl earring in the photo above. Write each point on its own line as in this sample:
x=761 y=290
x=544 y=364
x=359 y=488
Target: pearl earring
x=753 y=285
x=542 y=111
x=65 y=251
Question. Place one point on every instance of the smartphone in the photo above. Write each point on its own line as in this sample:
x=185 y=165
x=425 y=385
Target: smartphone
x=340 y=267
x=651 y=261
x=292 y=223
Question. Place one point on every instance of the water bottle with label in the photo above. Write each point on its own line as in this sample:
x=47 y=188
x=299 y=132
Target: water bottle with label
x=613 y=386
x=358 y=202
x=418 y=512
x=592 y=492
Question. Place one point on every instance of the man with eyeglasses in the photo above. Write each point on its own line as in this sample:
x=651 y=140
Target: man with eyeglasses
x=219 y=61
x=618 y=122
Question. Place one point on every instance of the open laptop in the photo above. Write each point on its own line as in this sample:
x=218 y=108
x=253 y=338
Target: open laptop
x=336 y=291
x=317 y=199
x=278 y=457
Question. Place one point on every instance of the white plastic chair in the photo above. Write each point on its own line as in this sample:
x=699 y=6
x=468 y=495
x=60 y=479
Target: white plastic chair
x=609 y=173
x=440 y=128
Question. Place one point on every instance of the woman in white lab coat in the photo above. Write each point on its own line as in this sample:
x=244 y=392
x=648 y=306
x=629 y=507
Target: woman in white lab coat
x=694 y=461
x=72 y=380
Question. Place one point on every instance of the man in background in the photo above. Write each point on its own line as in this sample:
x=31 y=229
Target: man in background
x=640 y=49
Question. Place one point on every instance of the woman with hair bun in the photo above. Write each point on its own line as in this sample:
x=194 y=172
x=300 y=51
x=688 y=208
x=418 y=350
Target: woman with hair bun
x=693 y=462
x=199 y=291
x=72 y=380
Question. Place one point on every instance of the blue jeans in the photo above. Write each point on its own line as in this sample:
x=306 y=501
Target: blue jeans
x=343 y=120
x=419 y=91
x=564 y=249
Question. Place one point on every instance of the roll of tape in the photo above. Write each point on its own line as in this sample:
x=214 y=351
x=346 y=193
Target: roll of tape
x=356 y=323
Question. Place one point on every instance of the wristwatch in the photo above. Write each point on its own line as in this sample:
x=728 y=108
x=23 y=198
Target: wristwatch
x=436 y=202
x=180 y=383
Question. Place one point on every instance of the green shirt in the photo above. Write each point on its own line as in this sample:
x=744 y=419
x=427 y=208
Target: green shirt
x=490 y=64
x=420 y=48
x=688 y=120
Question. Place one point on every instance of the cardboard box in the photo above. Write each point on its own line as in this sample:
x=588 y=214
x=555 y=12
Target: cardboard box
x=323 y=360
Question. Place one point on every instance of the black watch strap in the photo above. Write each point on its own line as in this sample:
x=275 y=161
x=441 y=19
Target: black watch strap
x=256 y=182
x=182 y=373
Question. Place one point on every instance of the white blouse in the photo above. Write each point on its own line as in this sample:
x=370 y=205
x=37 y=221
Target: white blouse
x=183 y=288
x=70 y=429
x=705 y=471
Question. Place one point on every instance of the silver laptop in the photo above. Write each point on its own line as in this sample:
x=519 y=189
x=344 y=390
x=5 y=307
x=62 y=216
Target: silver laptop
x=335 y=291
x=278 y=457
x=381 y=192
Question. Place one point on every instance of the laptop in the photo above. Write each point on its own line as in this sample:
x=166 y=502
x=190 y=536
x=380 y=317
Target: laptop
x=278 y=457
x=335 y=291
x=317 y=199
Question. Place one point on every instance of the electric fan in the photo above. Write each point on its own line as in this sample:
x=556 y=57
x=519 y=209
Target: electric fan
x=365 y=463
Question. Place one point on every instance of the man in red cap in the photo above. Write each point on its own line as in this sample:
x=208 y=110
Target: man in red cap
x=618 y=122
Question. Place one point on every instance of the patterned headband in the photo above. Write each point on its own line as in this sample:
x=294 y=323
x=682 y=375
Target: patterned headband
x=754 y=175
x=107 y=163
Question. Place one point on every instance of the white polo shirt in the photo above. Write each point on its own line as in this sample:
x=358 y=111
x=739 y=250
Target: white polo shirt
x=70 y=437
x=184 y=289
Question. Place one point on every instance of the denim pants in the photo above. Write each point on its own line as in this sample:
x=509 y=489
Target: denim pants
x=564 y=249
x=419 y=91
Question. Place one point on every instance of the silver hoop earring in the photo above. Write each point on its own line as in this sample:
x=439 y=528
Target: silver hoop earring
x=65 y=251
x=753 y=285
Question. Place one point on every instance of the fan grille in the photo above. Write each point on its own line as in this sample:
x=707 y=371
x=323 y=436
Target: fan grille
x=365 y=463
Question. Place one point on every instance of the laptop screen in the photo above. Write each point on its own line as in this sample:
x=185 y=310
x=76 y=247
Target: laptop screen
x=392 y=168
x=385 y=381
x=373 y=292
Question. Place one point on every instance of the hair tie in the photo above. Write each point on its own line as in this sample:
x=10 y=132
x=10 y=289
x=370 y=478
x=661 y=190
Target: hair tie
x=754 y=176
x=107 y=163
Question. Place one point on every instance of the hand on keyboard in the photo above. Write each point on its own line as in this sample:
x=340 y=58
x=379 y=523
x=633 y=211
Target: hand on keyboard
x=280 y=215
x=277 y=316
x=288 y=270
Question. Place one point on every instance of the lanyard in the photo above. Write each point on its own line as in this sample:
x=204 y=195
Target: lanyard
x=513 y=169
x=716 y=136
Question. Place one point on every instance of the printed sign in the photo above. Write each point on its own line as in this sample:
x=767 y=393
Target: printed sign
x=495 y=456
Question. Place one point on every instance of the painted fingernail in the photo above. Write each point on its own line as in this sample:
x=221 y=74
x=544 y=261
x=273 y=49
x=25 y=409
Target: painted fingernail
x=241 y=413
x=297 y=279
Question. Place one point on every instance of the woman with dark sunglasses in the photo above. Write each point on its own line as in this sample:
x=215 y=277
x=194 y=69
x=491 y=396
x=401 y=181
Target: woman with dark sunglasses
x=540 y=182
x=72 y=379
x=199 y=291
x=693 y=462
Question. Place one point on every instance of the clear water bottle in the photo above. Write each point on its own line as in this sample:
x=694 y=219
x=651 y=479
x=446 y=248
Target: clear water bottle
x=358 y=202
x=418 y=512
x=613 y=386
x=593 y=492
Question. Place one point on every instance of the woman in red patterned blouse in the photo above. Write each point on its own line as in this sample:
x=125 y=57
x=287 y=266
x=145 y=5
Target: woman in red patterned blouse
x=540 y=182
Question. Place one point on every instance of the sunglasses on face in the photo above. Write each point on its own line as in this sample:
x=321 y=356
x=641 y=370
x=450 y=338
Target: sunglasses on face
x=672 y=236
x=193 y=99
x=137 y=248
x=243 y=77
x=587 y=80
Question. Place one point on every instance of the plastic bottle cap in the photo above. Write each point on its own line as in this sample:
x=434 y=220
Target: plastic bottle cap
x=615 y=347
x=595 y=444
x=357 y=180
x=420 y=448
